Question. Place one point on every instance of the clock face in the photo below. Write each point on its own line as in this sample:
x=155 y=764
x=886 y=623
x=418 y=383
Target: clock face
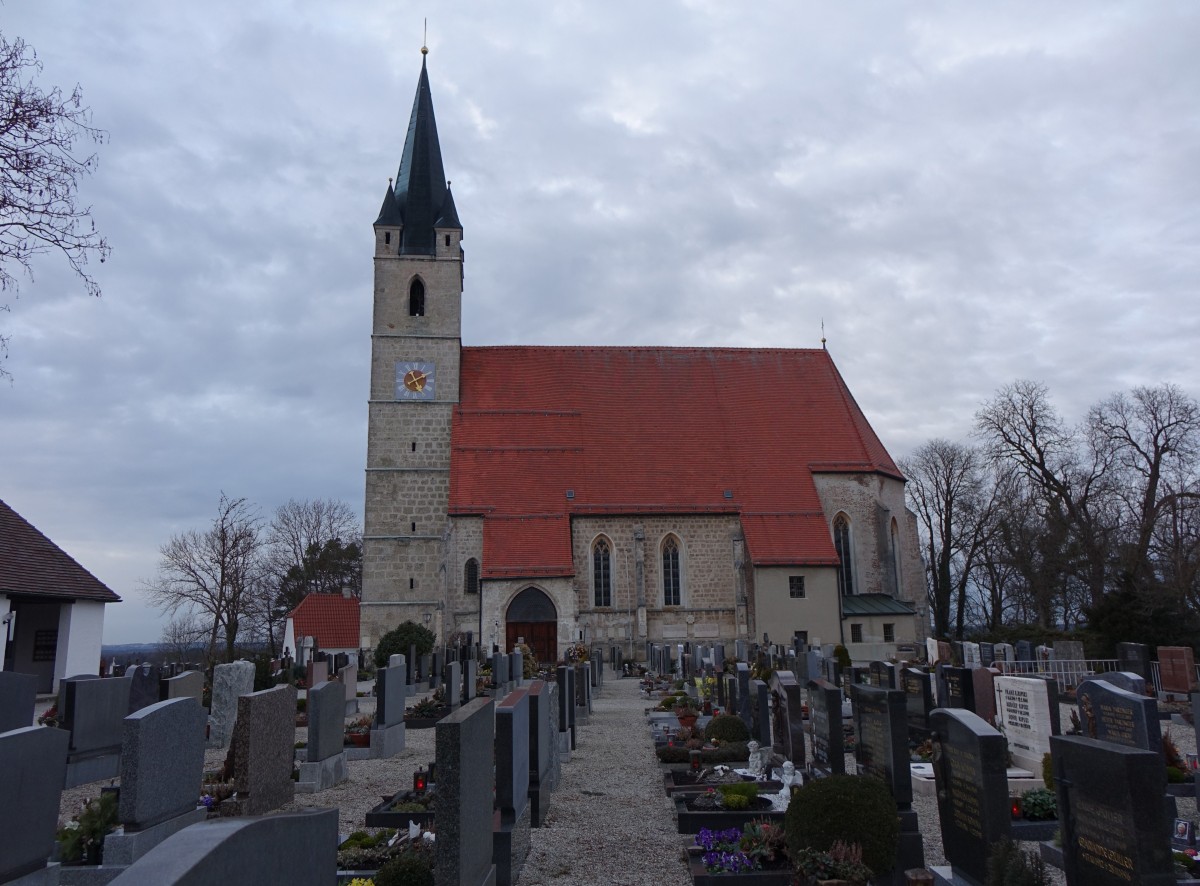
x=414 y=381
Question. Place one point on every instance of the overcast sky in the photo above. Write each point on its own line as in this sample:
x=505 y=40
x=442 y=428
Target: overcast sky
x=965 y=194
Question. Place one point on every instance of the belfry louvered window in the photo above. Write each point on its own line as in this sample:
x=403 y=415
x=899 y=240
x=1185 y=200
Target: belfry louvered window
x=416 y=299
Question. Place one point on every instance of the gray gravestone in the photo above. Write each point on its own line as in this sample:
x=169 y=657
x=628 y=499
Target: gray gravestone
x=454 y=688
x=326 y=721
x=18 y=695
x=566 y=704
x=1126 y=680
x=825 y=720
x=143 y=686
x=29 y=804
x=510 y=840
x=516 y=667
x=1109 y=713
x=303 y=852
x=969 y=766
x=229 y=683
x=1005 y=652
x=760 y=704
x=787 y=717
x=1027 y=713
x=1111 y=814
x=263 y=748
x=162 y=762
x=470 y=678
x=93 y=710
x=883 y=674
x=189 y=684
x=463 y=802
x=317 y=672
x=543 y=726
x=987 y=654
x=390 y=694
x=1024 y=650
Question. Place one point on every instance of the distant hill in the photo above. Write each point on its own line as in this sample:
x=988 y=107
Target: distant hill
x=129 y=652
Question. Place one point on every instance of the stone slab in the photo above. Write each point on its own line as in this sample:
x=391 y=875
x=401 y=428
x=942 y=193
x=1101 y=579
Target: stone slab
x=18 y=695
x=464 y=742
x=326 y=721
x=230 y=682
x=322 y=775
x=162 y=762
x=263 y=749
x=34 y=762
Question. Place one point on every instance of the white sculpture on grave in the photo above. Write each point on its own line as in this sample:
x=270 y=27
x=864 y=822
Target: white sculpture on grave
x=788 y=777
x=755 y=764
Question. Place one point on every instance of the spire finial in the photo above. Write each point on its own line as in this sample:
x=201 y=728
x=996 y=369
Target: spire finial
x=425 y=39
x=822 y=333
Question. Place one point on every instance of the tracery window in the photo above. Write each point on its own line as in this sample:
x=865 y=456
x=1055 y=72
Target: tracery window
x=601 y=573
x=841 y=543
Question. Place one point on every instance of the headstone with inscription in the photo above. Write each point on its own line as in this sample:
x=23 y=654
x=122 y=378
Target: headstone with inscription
x=1028 y=715
x=969 y=766
x=987 y=654
x=825 y=727
x=1024 y=650
x=1136 y=658
x=463 y=804
x=918 y=698
x=787 y=717
x=1176 y=668
x=1111 y=816
x=1109 y=713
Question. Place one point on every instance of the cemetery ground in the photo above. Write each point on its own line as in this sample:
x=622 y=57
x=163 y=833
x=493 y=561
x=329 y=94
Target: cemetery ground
x=609 y=820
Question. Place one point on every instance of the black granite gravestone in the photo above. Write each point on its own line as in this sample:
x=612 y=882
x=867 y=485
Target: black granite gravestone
x=918 y=698
x=1111 y=814
x=1109 y=713
x=787 y=717
x=969 y=765
x=960 y=689
x=825 y=727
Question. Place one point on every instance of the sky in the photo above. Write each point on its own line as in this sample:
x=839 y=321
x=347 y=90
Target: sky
x=956 y=195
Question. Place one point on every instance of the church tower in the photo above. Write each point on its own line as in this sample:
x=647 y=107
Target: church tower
x=415 y=356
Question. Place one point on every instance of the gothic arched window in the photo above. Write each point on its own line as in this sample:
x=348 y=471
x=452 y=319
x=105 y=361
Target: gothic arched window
x=416 y=299
x=899 y=585
x=841 y=543
x=672 y=577
x=601 y=573
x=471 y=577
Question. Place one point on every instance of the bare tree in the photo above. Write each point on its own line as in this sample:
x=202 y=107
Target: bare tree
x=946 y=491
x=40 y=170
x=215 y=574
x=183 y=636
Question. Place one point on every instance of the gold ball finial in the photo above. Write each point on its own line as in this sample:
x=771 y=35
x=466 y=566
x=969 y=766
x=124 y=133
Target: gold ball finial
x=424 y=50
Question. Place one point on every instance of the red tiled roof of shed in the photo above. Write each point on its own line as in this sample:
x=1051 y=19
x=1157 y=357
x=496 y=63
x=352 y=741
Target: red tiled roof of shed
x=32 y=565
x=651 y=430
x=331 y=618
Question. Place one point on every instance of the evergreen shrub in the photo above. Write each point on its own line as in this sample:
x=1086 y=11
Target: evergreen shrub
x=850 y=808
x=398 y=641
x=726 y=727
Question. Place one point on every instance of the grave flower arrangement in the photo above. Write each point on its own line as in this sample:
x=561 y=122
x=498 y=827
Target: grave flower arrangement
x=358 y=731
x=575 y=653
x=49 y=717
x=843 y=861
x=81 y=840
x=722 y=853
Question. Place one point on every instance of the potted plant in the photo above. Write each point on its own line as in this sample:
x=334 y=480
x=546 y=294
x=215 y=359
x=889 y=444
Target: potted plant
x=841 y=865
x=685 y=711
x=358 y=732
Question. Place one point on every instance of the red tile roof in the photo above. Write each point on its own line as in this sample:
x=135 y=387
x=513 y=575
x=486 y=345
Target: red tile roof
x=32 y=565
x=651 y=430
x=331 y=618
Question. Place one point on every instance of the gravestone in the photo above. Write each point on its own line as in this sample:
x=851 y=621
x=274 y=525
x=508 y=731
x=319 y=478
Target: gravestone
x=303 y=852
x=959 y=688
x=143 y=686
x=347 y=678
x=188 y=684
x=1068 y=650
x=162 y=763
x=987 y=654
x=718 y=655
x=583 y=693
x=1111 y=815
x=93 y=710
x=970 y=769
x=427 y=677
x=971 y=655
x=1109 y=713
x=543 y=740
x=1024 y=650
x=511 y=838
x=731 y=693
x=565 y=675
x=1136 y=658
x=1005 y=652
x=956 y=653
x=229 y=683
x=387 y=730
x=918 y=702
x=883 y=674
x=18 y=696
x=983 y=693
x=262 y=747
x=1176 y=668
x=931 y=651
x=317 y=672
x=1126 y=680
x=760 y=704
x=499 y=675
x=1027 y=714
x=464 y=742
x=325 y=759
x=881 y=732
x=29 y=804
x=825 y=726
x=470 y=679
x=787 y=717
x=516 y=668
x=741 y=650
x=743 y=694
x=454 y=687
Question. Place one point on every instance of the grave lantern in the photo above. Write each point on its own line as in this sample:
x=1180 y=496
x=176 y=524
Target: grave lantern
x=694 y=760
x=1014 y=806
x=420 y=780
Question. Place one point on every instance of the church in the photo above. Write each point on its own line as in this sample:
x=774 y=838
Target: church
x=614 y=495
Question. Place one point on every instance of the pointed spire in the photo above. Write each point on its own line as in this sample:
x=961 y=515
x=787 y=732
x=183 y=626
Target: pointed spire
x=389 y=212
x=449 y=217
x=420 y=191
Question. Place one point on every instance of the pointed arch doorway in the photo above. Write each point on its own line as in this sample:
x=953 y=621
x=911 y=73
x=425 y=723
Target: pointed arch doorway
x=531 y=615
